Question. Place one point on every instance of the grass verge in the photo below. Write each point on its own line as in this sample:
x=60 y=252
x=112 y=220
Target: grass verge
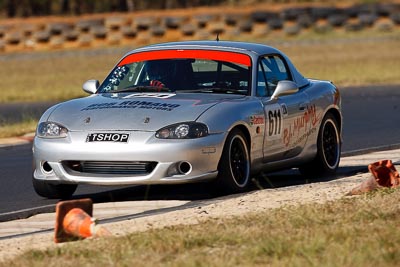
x=53 y=76
x=361 y=231
x=18 y=129
x=368 y=57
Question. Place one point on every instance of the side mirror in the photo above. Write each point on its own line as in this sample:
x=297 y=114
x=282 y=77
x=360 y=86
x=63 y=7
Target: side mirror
x=91 y=86
x=285 y=88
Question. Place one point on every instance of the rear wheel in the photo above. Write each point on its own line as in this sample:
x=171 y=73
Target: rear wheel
x=62 y=191
x=327 y=159
x=234 y=165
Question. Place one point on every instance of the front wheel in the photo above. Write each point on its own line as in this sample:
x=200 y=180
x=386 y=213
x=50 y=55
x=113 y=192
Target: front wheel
x=234 y=165
x=54 y=191
x=327 y=159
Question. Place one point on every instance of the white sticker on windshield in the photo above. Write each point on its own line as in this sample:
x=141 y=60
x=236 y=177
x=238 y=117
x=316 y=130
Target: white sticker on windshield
x=154 y=95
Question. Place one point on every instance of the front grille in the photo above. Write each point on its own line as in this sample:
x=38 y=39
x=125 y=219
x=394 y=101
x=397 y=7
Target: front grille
x=111 y=167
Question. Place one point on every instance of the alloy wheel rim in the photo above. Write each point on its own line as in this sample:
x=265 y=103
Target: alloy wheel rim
x=239 y=162
x=330 y=144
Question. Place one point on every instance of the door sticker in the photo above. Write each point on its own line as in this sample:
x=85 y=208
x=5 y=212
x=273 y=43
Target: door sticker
x=274 y=121
x=257 y=120
x=301 y=127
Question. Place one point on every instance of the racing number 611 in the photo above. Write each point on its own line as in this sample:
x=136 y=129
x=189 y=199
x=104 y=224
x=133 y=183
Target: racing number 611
x=274 y=122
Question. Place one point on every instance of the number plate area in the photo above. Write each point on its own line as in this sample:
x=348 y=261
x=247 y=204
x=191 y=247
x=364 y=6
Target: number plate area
x=274 y=121
x=108 y=137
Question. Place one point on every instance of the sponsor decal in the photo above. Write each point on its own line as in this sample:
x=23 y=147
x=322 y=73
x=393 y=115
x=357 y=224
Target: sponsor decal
x=137 y=104
x=257 y=120
x=154 y=95
x=302 y=127
x=108 y=137
x=116 y=77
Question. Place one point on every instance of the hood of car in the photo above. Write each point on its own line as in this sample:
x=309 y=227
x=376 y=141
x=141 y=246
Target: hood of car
x=133 y=111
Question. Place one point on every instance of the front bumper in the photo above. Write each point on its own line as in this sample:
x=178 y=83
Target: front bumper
x=199 y=158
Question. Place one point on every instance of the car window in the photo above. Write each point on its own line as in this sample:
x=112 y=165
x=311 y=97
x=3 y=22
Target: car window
x=210 y=71
x=262 y=89
x=271 y=70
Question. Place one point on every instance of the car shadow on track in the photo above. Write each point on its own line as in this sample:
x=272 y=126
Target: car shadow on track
x=204 y=191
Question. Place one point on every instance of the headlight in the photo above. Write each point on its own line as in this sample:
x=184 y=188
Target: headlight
x=51 y=130
x=186 y=130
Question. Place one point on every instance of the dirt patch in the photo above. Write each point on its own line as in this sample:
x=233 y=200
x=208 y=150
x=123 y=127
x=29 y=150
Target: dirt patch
x=225 y=207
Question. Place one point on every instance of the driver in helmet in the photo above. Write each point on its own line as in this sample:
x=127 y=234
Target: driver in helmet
x=159 y=72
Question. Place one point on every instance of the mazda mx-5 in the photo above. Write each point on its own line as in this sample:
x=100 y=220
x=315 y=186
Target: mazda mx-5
x=193 y=111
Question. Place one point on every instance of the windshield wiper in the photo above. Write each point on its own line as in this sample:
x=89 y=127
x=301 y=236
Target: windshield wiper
x=143 y=89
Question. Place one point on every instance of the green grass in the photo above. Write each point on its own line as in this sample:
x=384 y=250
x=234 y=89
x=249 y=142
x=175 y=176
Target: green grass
x=364 y=58
x=360 y=63
x=18 y=129
x=360 y=231
x=52 y=77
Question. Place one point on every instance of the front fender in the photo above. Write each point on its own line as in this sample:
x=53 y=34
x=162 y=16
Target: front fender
x=247 y=114
x=45 y=116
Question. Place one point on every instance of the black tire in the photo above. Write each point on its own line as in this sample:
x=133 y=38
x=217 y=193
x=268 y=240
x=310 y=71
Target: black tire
x=234 y=165
x=53 y=191
x=327 y=159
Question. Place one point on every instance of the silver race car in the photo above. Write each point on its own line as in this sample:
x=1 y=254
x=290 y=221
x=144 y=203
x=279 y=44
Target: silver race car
x=186 y=112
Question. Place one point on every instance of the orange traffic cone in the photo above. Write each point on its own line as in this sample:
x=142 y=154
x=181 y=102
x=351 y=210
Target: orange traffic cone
x=384 y=175
x=74 y=221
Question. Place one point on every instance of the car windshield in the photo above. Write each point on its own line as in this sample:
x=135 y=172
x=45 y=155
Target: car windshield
x=181 y=71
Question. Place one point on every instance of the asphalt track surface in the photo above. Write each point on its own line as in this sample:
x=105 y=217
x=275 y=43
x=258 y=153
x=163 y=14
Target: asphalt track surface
x=371 y=122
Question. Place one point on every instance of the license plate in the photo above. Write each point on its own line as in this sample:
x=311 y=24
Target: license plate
x=108 y=137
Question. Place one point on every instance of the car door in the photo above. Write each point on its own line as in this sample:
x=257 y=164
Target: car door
x=283 y=129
